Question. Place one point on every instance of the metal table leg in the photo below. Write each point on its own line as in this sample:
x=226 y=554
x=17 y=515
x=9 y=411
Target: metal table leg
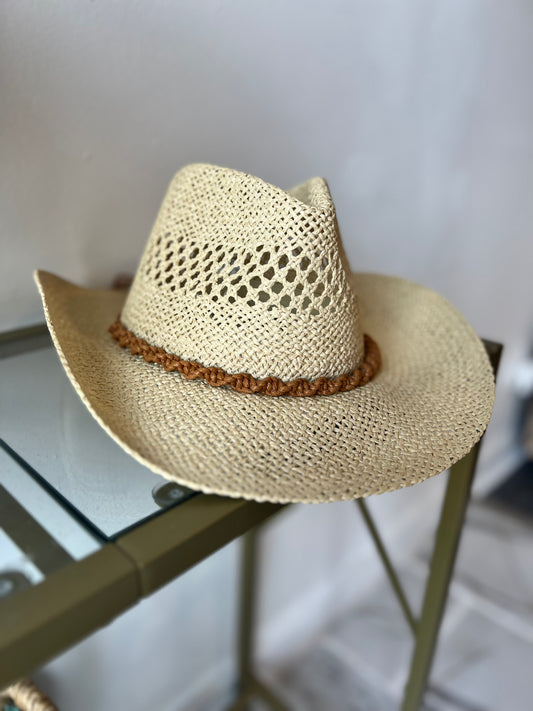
x=389 y=568
x=442 y=562
x=426 y=629
x=247 y=608
x=444 y=553
x=248 y=686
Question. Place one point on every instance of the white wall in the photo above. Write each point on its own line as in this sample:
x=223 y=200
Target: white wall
x=418 y=113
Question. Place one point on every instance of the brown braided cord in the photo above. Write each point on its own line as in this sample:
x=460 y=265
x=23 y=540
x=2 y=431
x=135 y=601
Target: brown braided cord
x=245 y=383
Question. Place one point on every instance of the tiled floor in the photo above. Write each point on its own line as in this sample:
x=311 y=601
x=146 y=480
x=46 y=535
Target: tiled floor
x=484 y=660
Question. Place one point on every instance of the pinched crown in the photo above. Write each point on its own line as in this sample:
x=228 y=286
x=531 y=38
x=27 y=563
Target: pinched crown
x=241 y=275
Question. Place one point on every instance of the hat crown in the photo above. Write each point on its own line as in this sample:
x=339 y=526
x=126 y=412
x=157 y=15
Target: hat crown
x=243 y=276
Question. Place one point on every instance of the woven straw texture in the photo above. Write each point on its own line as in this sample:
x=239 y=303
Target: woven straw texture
x=244 y=276
x=426 y=407
x=27 y=697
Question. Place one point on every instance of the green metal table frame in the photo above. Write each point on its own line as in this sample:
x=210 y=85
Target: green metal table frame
x=425 y=629
x=38 y=623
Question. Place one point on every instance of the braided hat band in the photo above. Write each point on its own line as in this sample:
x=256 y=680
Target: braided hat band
x=244 y=382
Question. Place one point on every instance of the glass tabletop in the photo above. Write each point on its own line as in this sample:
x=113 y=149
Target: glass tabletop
x=50 y=441
x=37 y=535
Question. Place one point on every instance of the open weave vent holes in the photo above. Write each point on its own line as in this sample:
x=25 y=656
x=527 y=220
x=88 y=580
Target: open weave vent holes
x=242 y=262
x=253 y=276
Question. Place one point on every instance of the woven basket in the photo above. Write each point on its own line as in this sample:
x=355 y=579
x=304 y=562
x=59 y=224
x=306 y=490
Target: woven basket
x=25 y=696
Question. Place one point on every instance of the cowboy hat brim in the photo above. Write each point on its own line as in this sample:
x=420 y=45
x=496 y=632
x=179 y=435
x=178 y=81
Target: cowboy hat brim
x=428 y=405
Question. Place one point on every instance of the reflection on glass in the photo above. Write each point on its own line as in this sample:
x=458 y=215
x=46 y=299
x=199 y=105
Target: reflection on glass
x=62 y=443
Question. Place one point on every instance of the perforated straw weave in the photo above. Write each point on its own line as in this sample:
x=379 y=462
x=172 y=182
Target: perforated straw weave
x=427 y=405
x=243 y=276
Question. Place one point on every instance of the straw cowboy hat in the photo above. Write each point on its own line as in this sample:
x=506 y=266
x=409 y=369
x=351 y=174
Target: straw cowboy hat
x=247 y=360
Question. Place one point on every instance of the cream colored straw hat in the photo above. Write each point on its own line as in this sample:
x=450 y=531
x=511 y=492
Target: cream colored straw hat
x=247 y=360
